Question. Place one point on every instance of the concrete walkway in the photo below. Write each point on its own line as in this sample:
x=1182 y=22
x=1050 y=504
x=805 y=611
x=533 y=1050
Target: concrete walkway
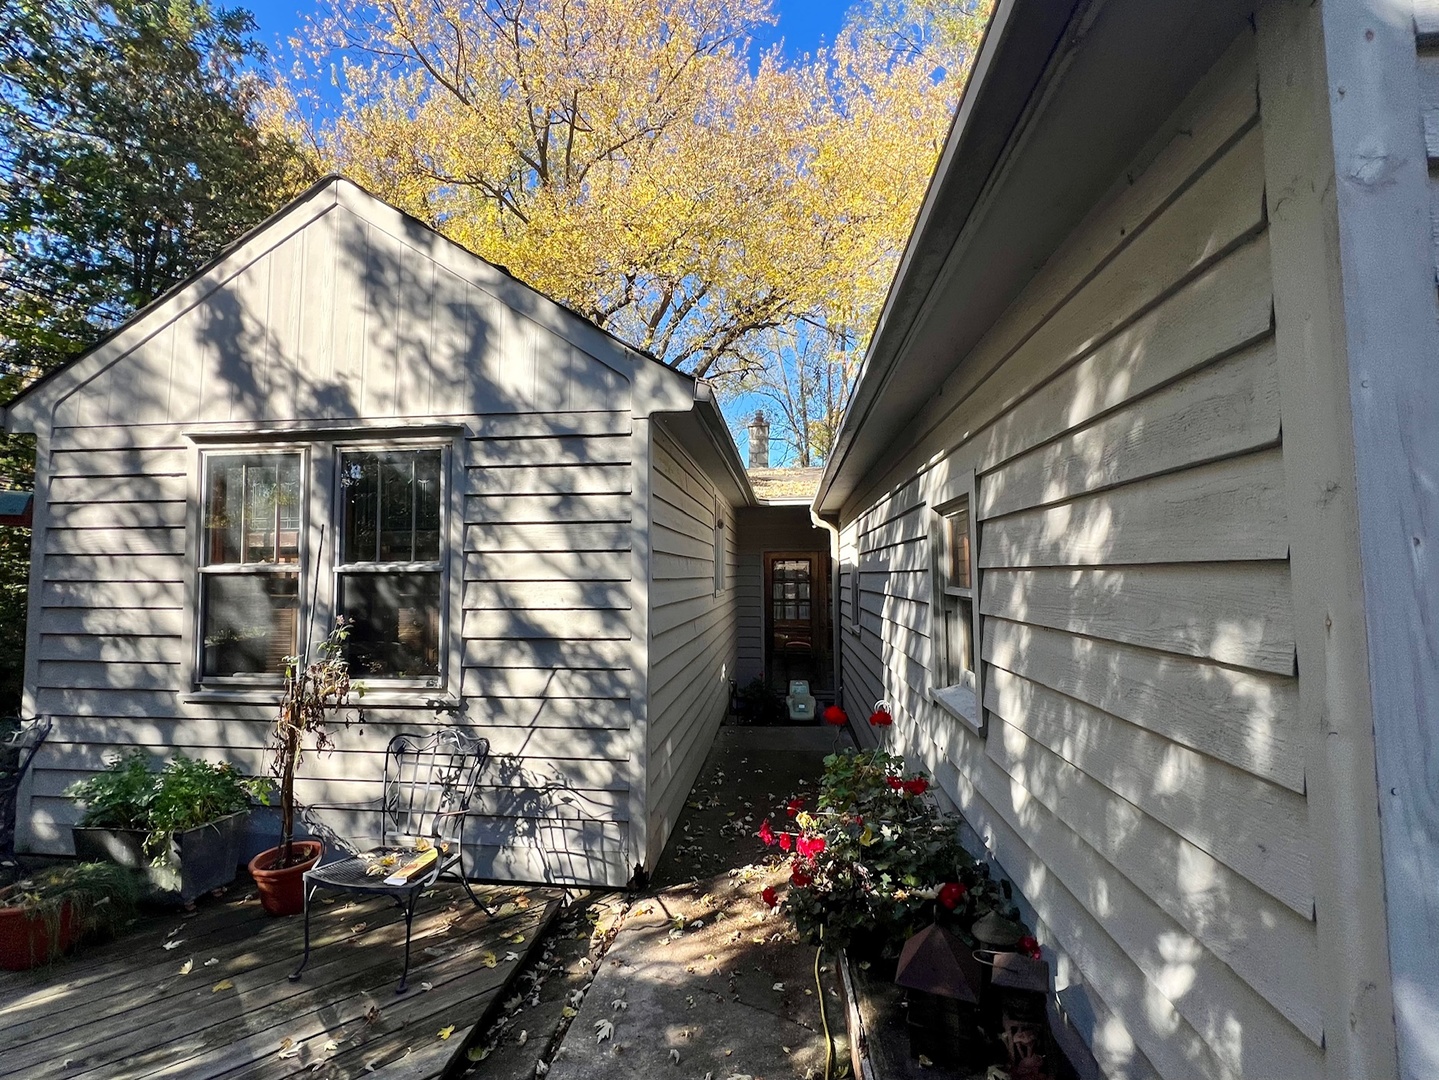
x=702 y=979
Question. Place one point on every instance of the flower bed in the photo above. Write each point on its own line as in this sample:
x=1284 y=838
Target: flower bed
x=875 y=860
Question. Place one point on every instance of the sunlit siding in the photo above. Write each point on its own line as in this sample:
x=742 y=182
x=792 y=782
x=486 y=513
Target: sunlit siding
x=1142 y=774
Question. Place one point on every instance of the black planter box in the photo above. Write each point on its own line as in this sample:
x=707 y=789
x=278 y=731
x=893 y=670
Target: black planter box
x=200 y=859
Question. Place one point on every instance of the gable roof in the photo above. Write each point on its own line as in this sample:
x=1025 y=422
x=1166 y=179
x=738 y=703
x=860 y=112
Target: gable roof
x=671 y=388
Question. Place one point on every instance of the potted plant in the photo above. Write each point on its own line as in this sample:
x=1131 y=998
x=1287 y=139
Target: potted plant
x=315 y=691
x=46 y=914
x=181 y=827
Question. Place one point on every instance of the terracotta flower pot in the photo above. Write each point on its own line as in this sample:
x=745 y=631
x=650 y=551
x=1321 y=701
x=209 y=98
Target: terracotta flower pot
x=26 y=941
x=282 y=892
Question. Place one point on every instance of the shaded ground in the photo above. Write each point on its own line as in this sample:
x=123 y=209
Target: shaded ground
x=697 y=976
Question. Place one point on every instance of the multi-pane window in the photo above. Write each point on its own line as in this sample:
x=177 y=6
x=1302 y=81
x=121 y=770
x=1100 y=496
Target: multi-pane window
x=389 y=576
x=264 y=591
x=956 y=644
x=790 y=590
x=250 y=563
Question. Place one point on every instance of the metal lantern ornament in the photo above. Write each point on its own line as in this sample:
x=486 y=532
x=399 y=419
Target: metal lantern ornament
x=942 y=979
x=882 y=716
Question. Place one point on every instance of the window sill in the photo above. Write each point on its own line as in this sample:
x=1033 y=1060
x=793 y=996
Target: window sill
x=418 y=698
x=959 y=702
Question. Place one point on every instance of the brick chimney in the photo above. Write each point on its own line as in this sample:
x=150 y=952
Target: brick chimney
x=759 y=442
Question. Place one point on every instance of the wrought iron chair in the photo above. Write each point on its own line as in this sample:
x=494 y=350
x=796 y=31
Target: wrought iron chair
x=429 y=782
x=16 y=752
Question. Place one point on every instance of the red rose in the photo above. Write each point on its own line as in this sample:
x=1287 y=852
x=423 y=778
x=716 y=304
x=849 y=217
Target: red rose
x=785 y=841
x=810 y=846
x=1028 y=946
x=951 y=895
x=894 y=783
x=799 y=878
x=881 y=718
x=836 y=716
x=794 y=806
x=769 y=896
x=918 y=786
x=766 y=833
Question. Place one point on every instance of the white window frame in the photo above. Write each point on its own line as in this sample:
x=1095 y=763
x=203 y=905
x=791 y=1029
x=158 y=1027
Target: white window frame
x=963 y=697
x=320 y=457
x=206 y=570
x=854 y=590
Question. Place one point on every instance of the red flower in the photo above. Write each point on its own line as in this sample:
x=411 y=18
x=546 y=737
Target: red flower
x=810 y=846
x=766 y=833
x=769 y=896
x=918 y=786
x=951 y=894
x=794 y=806
x=894 y=783
x=1028 y=946
x=799 y=878
x=881 y=718
x=785 y=841
x=836 y=716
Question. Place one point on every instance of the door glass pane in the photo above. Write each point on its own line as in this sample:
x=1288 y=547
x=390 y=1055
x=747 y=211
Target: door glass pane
x=804 y=611
x=396 y=617
x=250 y=623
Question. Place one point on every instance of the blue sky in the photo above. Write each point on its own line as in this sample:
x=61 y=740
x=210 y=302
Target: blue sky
x=803 y=24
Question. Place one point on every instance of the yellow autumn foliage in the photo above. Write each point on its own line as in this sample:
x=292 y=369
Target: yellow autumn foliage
x=627 y=158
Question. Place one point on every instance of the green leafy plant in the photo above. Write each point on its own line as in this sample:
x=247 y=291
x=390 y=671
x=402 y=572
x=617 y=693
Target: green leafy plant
x=756 y=703
x=185 y=794
x=315 y=691
x=100 y=898
x=876 y=858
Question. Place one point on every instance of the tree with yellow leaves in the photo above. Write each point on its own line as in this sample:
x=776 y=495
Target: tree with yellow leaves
x=624 y=157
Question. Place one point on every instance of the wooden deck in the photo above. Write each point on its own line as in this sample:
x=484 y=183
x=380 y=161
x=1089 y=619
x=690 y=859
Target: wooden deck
x=127 y=1009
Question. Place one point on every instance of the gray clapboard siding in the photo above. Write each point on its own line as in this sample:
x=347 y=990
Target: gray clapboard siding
x=1246 y=718
x=563 y=479
x=547 y=566
x=1225 y=409
x=1143 y=776
x=1240 y=615
x=548 y=595
x=692 y=629
x=1222 y=511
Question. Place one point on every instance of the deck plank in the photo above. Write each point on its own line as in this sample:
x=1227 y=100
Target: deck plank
x=123 y=1010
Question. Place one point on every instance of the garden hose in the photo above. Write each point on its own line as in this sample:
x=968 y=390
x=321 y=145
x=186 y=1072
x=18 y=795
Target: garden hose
x=823 y=1019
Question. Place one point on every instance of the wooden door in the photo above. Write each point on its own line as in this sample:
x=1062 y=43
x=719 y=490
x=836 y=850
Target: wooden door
x=796 y=594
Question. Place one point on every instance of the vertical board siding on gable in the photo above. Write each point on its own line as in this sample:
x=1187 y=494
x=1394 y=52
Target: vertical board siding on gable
x=1142 y=776
x=693 y=630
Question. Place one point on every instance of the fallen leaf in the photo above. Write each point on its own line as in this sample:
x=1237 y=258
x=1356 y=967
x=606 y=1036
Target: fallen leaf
x=511 y=957
x=541 y=1067
x=223 y=984
x=330 y=1046
x=358 y=928
x=489 y=959
x=188 y=966
x=518 y=939
x=477 y=1053
x=569 y=1013
x=212 y=961
x=372 y=1014
x=288 y=1049
x=523 y=1038
x=446 y=1031
x=286 y=1043
x=173 y=944
x=603 y=1030
x=778 y=986
x=675 y=1056
x=426 y=986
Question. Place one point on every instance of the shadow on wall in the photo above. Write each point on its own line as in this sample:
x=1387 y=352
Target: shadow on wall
x=545 y=597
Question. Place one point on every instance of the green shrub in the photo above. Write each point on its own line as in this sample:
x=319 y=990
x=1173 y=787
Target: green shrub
x=186 y=794
x=100 y=895
x=868 y=863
